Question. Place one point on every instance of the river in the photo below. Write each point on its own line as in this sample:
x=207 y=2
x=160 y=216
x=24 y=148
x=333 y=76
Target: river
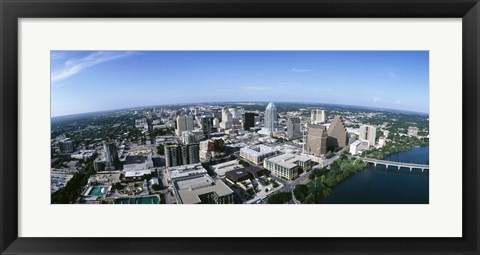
x=378 y=185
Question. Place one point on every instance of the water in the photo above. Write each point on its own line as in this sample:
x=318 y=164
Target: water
x=138 y=200
x=386 y=186
x=97 y=191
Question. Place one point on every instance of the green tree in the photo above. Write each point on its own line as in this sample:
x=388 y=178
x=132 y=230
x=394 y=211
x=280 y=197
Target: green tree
x=300 y=192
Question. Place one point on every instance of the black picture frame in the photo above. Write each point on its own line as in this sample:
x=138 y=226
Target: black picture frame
x=12 y=10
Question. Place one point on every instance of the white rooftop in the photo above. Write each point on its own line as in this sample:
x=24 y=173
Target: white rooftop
x=189 y=190
x=186 y=170
x=287 y=160
x=262 y=149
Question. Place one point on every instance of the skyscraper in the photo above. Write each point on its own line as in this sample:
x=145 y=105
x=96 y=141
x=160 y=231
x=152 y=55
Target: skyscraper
x=66 y=145
x=227 y=119
x=293 y=128
x=207 y=124
x=184 y=123
x=249 y=120
x=317 y=116
x=193 y=153
x=176 y=155
x=111 y=156
x=316 y=143
x=171 y=155
x=337 y=133
x=271 y=118
x=368 y=133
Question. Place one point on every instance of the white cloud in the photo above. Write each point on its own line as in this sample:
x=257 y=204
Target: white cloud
x=300 y=70
x=76 y=65
x=391 y=71
x=376 y=99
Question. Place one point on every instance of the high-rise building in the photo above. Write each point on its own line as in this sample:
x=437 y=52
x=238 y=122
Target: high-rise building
x=317 y=116
x=188 y=137
x=368 y=133
x=207 y=124
x=337 y=133
x=293 y=128
x=193 y=153
x=316 y=143
x=227 y=119
x=177 y=155
x=111 y=156
x=249 y=120
x=271 y=118
x=66 y=145
x=216 y=123
x=184 y=123
x=171 y=155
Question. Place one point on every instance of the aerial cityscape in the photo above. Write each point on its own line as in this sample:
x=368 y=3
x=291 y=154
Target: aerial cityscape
x=239 y=127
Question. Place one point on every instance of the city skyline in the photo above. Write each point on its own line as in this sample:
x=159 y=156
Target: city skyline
x=89 y=81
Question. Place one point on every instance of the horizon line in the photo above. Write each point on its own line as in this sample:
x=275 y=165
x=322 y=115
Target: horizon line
x=193 y=103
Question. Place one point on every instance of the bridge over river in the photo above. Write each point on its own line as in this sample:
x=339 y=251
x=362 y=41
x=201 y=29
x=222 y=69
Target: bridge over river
x=396 y=164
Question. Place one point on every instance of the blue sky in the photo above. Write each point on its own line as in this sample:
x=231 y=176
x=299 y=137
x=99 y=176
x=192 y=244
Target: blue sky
x=87 y=81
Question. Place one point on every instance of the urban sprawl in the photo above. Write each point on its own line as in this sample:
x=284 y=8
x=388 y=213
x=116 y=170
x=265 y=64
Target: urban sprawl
x=231 y=153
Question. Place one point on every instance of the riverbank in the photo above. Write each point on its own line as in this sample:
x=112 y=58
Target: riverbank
x=396 y=144
x=324 y=180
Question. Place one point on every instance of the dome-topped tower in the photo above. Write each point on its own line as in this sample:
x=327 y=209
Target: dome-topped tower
x=271 y=118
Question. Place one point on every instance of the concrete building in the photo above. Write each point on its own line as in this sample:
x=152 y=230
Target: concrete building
x=244 y=173
x=227 y=119
x=171 y=155
x=413 y=131
x=99 y=164
x=316 y=142
x=382 y=142
x=111 y=156
x=256 y=154
x=193 y=153
x=249 y=121
x=368 y=133
x=386 y=133
x=184 y=123
x=188 y=137
x=358 y=147
x=207 y=124
x=287 y=166
x=137 y=163
x=140 y=123
x=317 y=116
x=83 y=154
x=294 y=129
x=177 y=155
x=211 y=148
x=193 y=185
x=216 y=123
x=66 y=146
x=337 y=133
x=204 y=190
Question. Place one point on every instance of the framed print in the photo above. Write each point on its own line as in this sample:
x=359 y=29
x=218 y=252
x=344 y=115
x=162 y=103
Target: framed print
x=239 y=127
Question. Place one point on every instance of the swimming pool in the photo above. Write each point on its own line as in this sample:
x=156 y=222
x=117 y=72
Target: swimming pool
x=97 y=191
x=138 y=200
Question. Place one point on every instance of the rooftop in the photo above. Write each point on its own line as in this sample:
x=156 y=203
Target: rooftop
x=202 y=185
x=288 y=160
x=186 y=171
